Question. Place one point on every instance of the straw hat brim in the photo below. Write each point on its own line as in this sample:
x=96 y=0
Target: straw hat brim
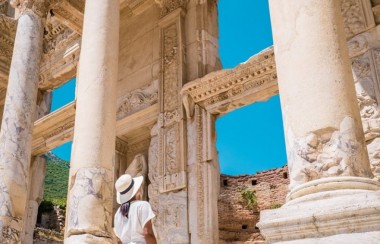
x=123 y=198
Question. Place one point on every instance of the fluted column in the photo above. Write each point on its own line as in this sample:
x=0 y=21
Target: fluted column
x=16 y=128
x=327 y=157
x=89 y=209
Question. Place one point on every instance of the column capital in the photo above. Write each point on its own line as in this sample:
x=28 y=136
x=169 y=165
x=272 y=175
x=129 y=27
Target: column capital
x=39 y=7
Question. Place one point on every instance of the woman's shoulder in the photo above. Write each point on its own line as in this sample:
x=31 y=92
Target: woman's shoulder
x=142 y=203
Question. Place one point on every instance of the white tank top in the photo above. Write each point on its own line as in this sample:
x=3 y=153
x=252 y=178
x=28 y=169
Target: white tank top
x=131 y=230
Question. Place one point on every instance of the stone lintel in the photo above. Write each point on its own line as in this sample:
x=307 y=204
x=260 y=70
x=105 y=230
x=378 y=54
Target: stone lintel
x=57 y=128
x=222 y=91
x=53 y=130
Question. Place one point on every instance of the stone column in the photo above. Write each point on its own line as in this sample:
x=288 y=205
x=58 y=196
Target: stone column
x=328 y=162
x=17 y=122
x=203 y=177
x=36 y=174
x=36 y=193
x=89 y=210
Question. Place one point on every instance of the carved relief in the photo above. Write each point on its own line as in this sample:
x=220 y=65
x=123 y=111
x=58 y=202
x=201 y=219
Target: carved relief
x=137 y=100
x=168 y=6
x=171 y=153
x=170 y=121
x=168 y=118
x=366 y=88
x=358 y=45
x=171 y=220
x=366 y=77
x=357 y=16
x=171 y=62
x=328 y=152
x=54 y=33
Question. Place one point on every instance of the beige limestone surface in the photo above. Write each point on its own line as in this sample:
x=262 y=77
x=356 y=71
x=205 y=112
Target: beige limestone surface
x=91 y=171
x=16 y=129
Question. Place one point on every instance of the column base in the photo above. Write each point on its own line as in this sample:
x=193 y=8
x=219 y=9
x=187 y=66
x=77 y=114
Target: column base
x=329 y=216
x=352 y=238
x=87 y=238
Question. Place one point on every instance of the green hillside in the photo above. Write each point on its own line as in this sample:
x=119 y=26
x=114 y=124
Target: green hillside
x=56 y=180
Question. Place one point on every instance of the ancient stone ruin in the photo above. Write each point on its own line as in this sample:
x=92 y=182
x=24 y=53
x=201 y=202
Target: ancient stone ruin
x=150 y=83
x=242 y=198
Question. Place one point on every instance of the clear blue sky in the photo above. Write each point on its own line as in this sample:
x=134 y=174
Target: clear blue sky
x=62 y=96
x=249 y=139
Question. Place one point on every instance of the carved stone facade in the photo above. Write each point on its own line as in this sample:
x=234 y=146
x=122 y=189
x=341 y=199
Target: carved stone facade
x=171 y=119
x=137 y=100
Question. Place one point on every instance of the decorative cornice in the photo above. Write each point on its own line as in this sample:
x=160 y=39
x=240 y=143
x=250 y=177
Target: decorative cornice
x=70 y=13
x=168 y=6
x=222 y=91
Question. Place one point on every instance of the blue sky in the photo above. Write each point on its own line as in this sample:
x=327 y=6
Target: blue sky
x=249 y=139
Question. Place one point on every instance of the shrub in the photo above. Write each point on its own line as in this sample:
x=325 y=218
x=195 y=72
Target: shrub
x=249 y=198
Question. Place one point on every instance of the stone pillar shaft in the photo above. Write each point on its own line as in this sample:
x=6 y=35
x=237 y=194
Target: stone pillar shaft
x=17 y=123
x=324 y=135
x=332 y=197
x=89 y=211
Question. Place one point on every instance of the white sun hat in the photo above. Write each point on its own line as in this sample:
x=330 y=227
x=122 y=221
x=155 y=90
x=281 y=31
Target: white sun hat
x=126 y=187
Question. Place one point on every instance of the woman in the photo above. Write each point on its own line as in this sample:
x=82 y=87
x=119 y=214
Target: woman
x=133 y=218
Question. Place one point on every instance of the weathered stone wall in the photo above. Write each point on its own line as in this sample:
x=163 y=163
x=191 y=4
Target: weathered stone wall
x=271 y=187
x=237 y=223
x=52 y=220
